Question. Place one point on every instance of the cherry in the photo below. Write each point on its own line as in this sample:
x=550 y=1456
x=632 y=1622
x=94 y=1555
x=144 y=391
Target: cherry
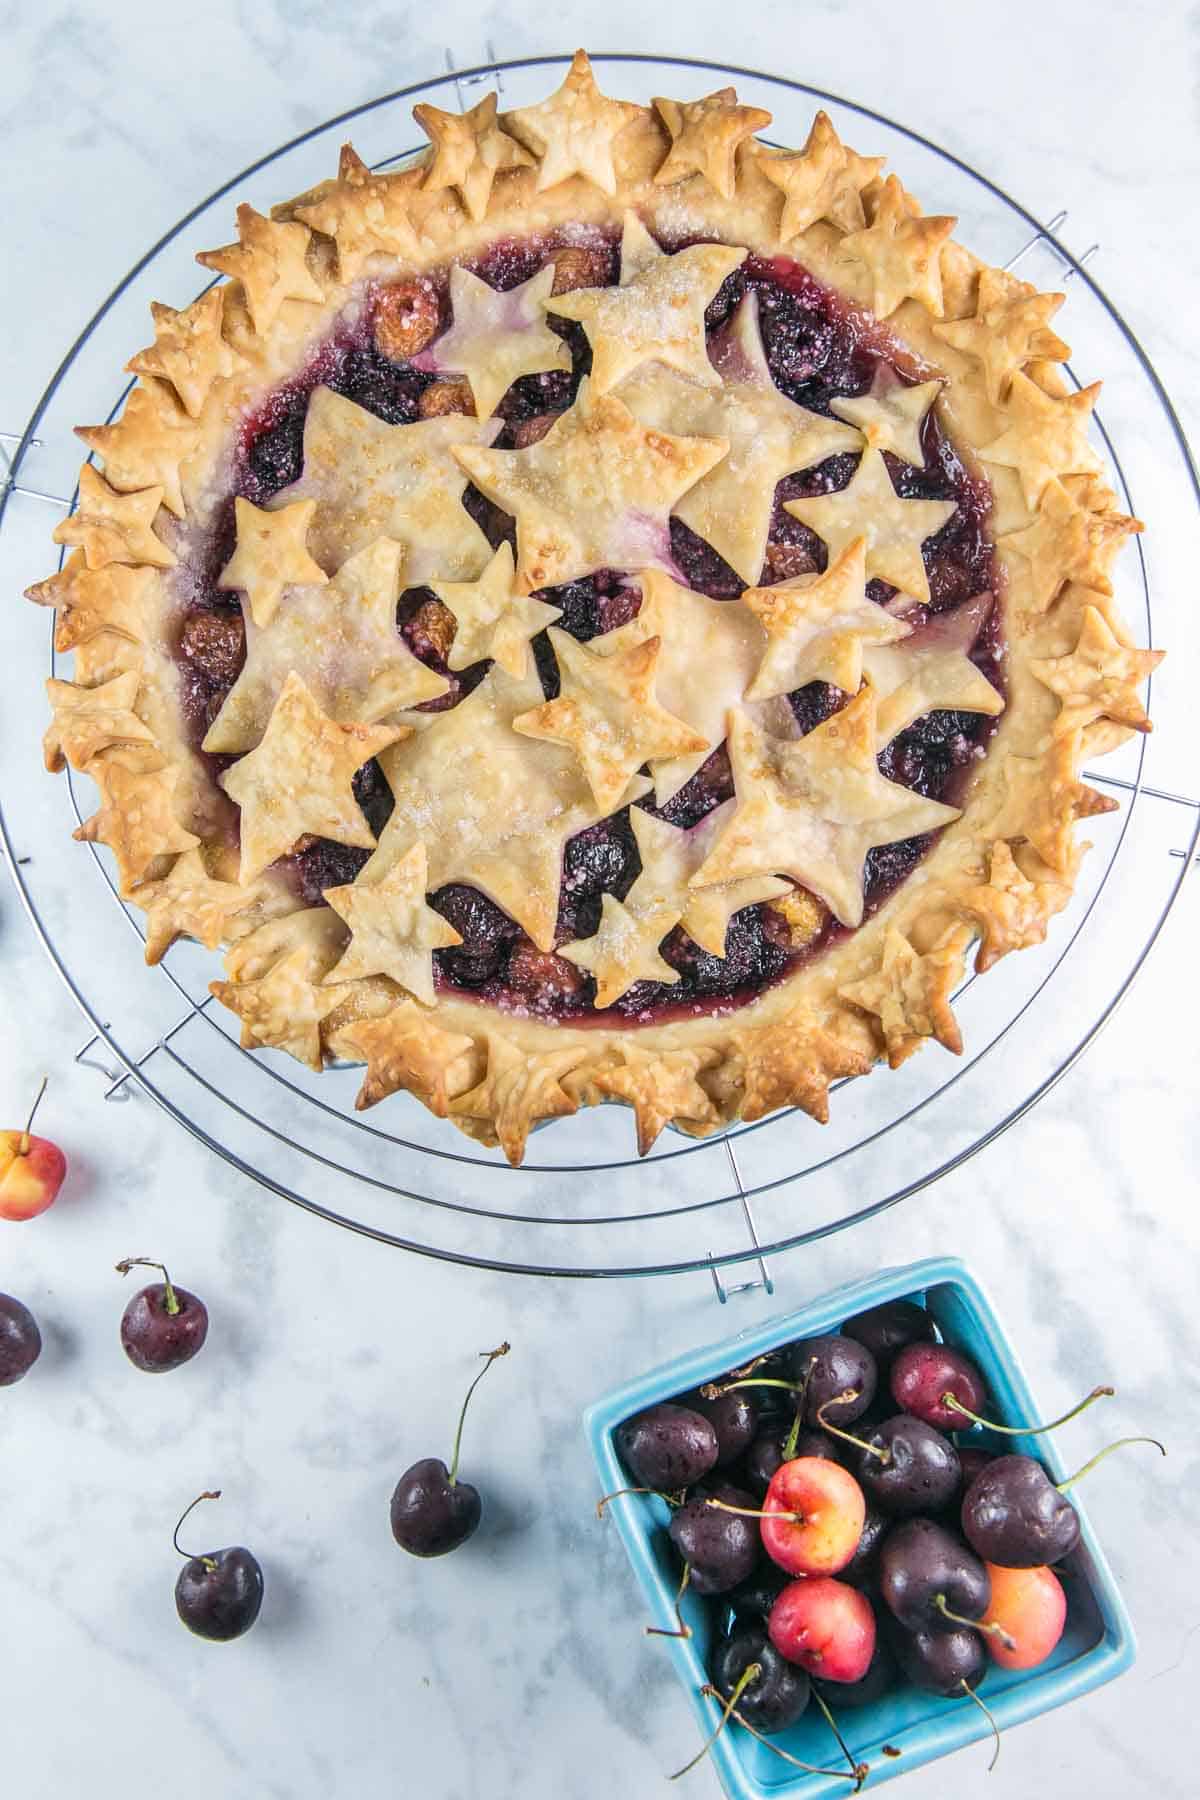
x=668 y=1446
x=767 y=1452
x=906 y=1467
x=813 y=1516
x=774 y=1698
x=432 y=1511
x=889 y=1328
x=20 y=1340
x=971 y=1461
x=825 y=1626
x=923 y=1375
x=941 y=1662
x=880 y=1676
x=863 y=1567
x=1030 y=1607
x=31 y=1169
x=218 y=1595
x=754 y=1597
x=733 y=1417
x=163 y=1326
x=836 y=1377
x=1013 y=1514
x=720 y=1546
x=928 y=1578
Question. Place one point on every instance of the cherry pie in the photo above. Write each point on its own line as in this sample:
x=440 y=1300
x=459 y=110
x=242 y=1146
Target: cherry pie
x=609 y=611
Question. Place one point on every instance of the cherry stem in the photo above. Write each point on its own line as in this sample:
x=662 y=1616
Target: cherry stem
x=490 y=1357
x=1100 y=1455
x=683 y=1630
x=753 y=1512
x=171 y=1302
x=993 y=1630
x=24 y=1146
x=858 y=1774
x=835 y=1728
x=788 y=1449
x=750 y=1673
x=756 y=1362
x=713 y=1390
x=211 y=1494
x=956 y=1405
x=987 y=1713
x=843 y=1399
x=671 y=1499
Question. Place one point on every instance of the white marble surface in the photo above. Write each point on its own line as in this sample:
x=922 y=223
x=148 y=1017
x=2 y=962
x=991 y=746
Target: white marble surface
x=518 y=1667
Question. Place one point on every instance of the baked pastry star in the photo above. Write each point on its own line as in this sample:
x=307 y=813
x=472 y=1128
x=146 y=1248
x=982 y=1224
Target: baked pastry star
x=573 y=132
x=469 y=151
x=188 y=350
x=271 y=554
x=270 y=260
x=1011 y=327
x=891 y=415
x=910 y=993
x=705 y=135
x=493 y=617
x=392 y=931
x=1099 y=679
x=824 y=180
x=112 y=527
x=496 y=336
x=817 y=627
x=1046 y=436
x=871 y=508
x=901 y=251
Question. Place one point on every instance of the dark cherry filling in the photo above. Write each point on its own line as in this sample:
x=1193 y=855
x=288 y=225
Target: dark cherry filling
x=817 y=349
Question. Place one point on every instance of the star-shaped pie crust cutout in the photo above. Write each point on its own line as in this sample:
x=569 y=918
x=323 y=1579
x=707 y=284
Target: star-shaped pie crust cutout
x=608 y=714
x=573 y=132
x=341 y=635
x=136 y=820
x=365 y=214
x=493 y=617
x=660 y=1088
x=1068 y=540
x=891 y=415
x=505 y=805
x=1046 y=436
x=114 y=598
x=111 y=527
x=1011 y=910
x=1043 y=798
x=824 y=180
x=270 y=555
x=656 y=314
x=671 y=857
x=1011 y=327
x=709 y=649
x=469 y=151
x=817 y=627
x=901 y=251
x=910 y=993
x=496 y=336
x=812 y=807
x=270 y=260
x=931 y=671
x=188 y=350
x=894 y=529
x=90 y=720
x=518 y=1091
x=705 y=135
x=769 y=436
x=298 y=781
x=623 y=949
x=596 y=492
x=392 y=931
x=276 y=983
x=1099 y=679
x=187 y=902
x=147 y=445
x=405 y=1052
x=792 y=1064
x=372 y=480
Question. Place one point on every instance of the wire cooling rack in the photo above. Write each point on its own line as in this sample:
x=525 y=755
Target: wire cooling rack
x=583 y=1205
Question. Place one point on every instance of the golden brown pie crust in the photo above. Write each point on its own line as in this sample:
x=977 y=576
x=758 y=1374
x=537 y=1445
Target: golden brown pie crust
x=296 y=976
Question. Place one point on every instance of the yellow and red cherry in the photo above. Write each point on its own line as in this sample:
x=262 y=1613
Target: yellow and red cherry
x=1029 y=1607
x=826 y=1626
x=813 y=1515
x=31 y=1169
x=938 y=1385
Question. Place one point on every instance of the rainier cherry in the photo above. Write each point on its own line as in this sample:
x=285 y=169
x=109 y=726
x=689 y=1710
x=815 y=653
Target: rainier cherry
x=31 y=1169
x=1030 y=1607
x=813 y=1516
x=825 y=1626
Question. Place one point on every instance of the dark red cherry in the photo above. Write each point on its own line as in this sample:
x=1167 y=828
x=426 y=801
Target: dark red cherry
x=433 y=1511
x=163 y=1326
x=929 y=1579
x=771 y=1700
x=917 y=1472
x=826 y=1368
x=1013 y=1515
x=972 y=1460
x=863 y=1567
x=733 y=1417
x=941 y=1661
x=20 y=1340
x=720 y=1548
x=879 y=1678
x=922 y=1376
x=887 y=1329
x=766 y=1452
x=754 y=1597
x=218 y=1595
x=668 y=1447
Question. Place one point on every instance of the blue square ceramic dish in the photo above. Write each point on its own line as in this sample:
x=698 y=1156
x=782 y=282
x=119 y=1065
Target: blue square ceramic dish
x=1098 y=1643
